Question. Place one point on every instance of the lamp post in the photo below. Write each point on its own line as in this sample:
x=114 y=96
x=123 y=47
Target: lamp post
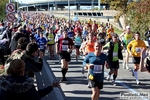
x=99 y=5
x=48 y=6
x=69 y=10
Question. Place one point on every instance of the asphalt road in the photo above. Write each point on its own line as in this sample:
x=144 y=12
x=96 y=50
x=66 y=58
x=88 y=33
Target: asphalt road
x=76 y=86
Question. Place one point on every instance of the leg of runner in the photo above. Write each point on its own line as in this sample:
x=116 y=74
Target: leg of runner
x=63 y=69
x=95 y=93
x=125 y=63
x=115 y=76
x=136 y=67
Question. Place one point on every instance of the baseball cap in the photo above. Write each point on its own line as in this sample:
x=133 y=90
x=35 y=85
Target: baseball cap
x=127 y=26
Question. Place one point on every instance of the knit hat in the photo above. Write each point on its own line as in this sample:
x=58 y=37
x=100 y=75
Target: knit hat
x=32 y=47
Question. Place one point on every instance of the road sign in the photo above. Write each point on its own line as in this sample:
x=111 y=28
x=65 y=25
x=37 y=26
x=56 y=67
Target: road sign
x=10 y=7
x=10 y=17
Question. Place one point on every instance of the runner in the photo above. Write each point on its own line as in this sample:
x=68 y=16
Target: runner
x=42 y=43
x=126 y=38
x=64 y=47
x=78 y=41
x=51 y=42
x=134 y=49
x=114 y=54
x=95 y=62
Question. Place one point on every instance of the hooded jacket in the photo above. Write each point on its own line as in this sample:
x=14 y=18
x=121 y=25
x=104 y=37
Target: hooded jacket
x=20 y=88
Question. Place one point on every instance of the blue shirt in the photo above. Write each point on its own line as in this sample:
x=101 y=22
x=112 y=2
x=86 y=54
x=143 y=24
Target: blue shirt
x=98 y=61
x=36 y=36
x=41 y=43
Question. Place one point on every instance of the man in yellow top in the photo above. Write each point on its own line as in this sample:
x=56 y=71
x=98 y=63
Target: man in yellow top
x=134 y=49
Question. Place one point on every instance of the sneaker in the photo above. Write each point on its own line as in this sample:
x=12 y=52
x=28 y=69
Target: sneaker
x=113 y=82
x=138 y=82
x=89 y=85
x=63 y=79
x=77 y=60
x=108 y=78
x=127 y=67
x=132 y=70
x=123 y=65
x=82 y=71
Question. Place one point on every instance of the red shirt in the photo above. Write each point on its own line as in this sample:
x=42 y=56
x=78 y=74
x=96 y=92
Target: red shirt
x=65 y=43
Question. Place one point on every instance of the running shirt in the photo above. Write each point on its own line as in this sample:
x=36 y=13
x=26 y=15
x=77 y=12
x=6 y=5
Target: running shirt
x=98 y=62
x=115 y=50
x=64 y=43
x=41 y=43
x=71 y=35
x=58 y=36
x=89 y=47
x=36 y=36
x=136 y=46
x=50 y=38
x=78 y=41
x=127 y=38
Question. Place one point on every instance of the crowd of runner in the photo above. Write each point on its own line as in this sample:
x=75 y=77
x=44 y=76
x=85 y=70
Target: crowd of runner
x=97 y=44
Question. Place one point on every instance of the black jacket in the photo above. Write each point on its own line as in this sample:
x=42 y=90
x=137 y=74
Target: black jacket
x=32 y=66
x=110 y=52
x=20 y=88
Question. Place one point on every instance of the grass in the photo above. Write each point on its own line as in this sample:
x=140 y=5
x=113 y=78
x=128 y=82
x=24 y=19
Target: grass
x=118 y=31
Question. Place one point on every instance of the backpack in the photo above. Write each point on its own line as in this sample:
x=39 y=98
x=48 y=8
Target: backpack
x=17 y=54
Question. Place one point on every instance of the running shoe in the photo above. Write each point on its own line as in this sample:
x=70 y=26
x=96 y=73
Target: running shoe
x=82 y=71
x=113 y=82
x=108 y=78
x=138 y=82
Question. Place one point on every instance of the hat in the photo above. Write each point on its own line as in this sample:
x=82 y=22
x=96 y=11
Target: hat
x=127 y=26
x=114 y=35
x=32 y=47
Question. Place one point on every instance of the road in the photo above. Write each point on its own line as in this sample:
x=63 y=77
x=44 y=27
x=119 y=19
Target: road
x=76 y=86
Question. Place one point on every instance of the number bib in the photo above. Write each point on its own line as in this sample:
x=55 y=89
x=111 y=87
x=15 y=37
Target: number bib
x=149 y=38
x=50 y=39
x=115 y=54
x=41 y=47
x=97 y=69
x=78 y=43
x=64 y=47
x=137 y=49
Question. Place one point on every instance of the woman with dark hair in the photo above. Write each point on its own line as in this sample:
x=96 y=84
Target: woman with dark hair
x=16 y=86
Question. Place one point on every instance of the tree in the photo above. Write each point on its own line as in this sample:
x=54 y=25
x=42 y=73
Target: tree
x=3 y=9
x=136 y=13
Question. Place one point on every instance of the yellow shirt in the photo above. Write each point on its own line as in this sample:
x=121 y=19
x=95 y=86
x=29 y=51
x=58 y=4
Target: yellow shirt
x=50 y=39
x=135 y=47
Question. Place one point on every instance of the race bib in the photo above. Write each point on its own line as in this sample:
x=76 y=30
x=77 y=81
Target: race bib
x=50 y=39
x=115 y=54
x=149 y=38
x=64 y=47
x=78 y=42
x=128 y=41
x=137 y=49
x=41 y=47
x=97 y=69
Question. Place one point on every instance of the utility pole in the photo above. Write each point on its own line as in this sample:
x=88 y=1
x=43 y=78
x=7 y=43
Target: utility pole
x=69 y=10
x=99 y=5
x=9 y=1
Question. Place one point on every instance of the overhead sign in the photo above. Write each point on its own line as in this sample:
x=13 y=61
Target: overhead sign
x=10 y=17
x=10 y=7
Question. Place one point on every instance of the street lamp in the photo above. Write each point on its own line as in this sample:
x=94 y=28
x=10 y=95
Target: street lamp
x=69 y=10
x=99 y=5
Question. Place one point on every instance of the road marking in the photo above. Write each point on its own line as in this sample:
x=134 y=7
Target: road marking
x=124 y=85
